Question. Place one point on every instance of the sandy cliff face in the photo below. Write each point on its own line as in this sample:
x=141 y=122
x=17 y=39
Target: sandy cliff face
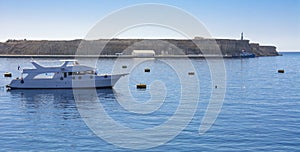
x=39 y=47
x=110 y=47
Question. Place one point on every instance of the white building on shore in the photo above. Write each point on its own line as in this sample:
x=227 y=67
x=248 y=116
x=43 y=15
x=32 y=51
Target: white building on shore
x=143 y=53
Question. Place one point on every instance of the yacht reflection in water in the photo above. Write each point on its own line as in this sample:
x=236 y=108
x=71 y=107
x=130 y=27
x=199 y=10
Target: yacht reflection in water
x=60 y=98
x=44 y=95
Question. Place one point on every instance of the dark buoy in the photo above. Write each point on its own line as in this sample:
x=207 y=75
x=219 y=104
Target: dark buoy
x=8 y=88
x=281 y=71
x=7 y=74
x=141 y=86
x=147 y=70
x=124 y=66
x=216 y=86
x=191 y=73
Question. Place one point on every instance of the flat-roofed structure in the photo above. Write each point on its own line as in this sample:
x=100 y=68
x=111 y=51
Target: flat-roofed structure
x=143 y=53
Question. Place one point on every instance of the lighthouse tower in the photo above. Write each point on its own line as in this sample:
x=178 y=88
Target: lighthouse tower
x=242 y=36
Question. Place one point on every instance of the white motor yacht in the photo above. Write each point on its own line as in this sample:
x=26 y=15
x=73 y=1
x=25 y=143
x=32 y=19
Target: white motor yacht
x=66 y=76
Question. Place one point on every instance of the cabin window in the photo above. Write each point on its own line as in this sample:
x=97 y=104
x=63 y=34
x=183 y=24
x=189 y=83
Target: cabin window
x=82 y=72
x=78 y=73
x=65 y=74
x=70 y=73
x=44 y=76
x=89 y=72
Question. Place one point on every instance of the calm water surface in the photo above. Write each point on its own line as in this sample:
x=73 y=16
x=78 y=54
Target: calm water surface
x=261 y=110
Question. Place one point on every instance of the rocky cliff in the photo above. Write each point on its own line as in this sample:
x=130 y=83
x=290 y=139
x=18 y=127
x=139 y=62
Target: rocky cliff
x=125 y=46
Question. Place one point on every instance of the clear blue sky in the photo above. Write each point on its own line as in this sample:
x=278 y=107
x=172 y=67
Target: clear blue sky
x=271 y=22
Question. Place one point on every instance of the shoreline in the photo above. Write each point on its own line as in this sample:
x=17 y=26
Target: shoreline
x=115 y=56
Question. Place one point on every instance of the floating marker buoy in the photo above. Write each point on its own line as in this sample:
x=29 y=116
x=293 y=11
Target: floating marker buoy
x=8 y=88
x=191 y=73
x=124 y=66
x=141 y=86
x=216 y=86
x=7 y=74
x=147 y=70
x=281 y=71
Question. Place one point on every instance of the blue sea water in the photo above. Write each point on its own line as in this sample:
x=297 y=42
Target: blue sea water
x=260 y=112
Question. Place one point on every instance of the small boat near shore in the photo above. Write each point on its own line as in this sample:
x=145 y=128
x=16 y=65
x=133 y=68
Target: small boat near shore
x=69 y=75
x=244 y=54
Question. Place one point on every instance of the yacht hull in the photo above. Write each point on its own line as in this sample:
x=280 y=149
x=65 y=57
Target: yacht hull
x=75 y=82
